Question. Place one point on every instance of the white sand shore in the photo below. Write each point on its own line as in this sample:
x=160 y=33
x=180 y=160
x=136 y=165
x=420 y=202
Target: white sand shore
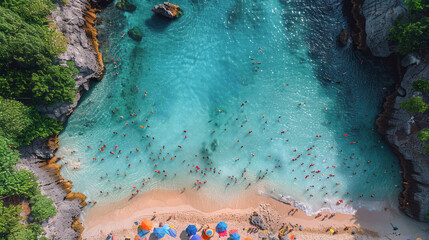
x=192 y=208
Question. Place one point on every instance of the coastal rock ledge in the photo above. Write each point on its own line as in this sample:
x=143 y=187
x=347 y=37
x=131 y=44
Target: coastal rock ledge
x=168 y=10
x=76 y=21
x=398 y=126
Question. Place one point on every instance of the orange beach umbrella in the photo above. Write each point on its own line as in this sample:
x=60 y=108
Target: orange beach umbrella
x=146 y=224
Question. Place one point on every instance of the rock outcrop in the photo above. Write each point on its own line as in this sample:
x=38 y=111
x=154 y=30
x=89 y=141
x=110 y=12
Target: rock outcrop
x=168 y=10
x=136 y=34
x=380 y=17
x=401 y=132
x=398 y=126
x=343 y=38
x=71 y=20
x=58 y=227
x=126 y=5
x=76 y=21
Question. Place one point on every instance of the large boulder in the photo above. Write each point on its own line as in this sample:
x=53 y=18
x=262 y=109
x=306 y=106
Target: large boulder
x=136 y=34
x=257 y=221
x=380 y=17
x=126 y=5
x=168 y=10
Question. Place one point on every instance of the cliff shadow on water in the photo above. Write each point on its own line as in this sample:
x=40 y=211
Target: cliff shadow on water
x=358 y=85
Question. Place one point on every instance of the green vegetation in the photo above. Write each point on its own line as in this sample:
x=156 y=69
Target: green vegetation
x=11 y=227
x=421 y=85
x=411 y=32
x=414 y=105
x=42 y=208
x=9 y=218
x=28 y=48
x=21 y=124
x=29 y=72
x=423 y=135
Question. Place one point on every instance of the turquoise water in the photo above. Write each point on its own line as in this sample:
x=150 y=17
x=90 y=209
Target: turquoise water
x=247 y=81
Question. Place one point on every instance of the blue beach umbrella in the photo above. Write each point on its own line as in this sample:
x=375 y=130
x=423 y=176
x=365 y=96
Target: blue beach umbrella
x=234 y=236
x=195 y=237
x=221 y=227
x=191 y=230
x=159 y=232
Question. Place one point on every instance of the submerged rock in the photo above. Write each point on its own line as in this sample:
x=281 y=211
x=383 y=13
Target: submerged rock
x=168 y=10
x=343 y=38
x=126 y=5
x=136 y=34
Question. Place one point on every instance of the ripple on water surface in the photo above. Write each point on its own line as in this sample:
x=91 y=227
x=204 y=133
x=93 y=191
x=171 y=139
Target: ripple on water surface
x=232 y=93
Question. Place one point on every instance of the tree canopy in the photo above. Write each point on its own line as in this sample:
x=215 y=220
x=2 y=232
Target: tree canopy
x=28 y=48
x=21 y=124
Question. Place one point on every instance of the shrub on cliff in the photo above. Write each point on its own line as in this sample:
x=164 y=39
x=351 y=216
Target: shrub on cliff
x=42 y=208
x=414 y=105
x=408 y=36
x=420 y=85
x=411 y=32
x=12 y=181
x=9 y=218
x=21 y=124
x=12 y=229
x=424 y=135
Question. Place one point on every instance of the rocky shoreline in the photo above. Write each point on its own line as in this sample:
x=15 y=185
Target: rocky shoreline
x=398 y=126
x=76 y=21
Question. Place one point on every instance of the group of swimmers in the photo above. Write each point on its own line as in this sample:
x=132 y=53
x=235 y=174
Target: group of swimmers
x=314 y=170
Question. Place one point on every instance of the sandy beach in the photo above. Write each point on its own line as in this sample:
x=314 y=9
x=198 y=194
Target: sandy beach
x=190 y=207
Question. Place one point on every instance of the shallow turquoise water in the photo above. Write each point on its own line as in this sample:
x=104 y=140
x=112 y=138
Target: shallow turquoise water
x=242 y=78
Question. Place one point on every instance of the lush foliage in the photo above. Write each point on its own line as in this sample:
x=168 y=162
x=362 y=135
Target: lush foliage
x=408 y=35
x=414 y=105
x=27 y=53
x=411 y=32
x=9 y=218
x=421 y=85
x=11 y=227
x=21 y=124
x=12 y=181
x=424 y=135
x=42 y=208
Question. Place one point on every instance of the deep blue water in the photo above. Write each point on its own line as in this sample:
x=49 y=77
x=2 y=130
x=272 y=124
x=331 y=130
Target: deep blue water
x=248 y=82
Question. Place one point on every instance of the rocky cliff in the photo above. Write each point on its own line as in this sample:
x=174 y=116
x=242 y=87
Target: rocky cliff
x=379 y=18
x=399 y=127
x=76 y=21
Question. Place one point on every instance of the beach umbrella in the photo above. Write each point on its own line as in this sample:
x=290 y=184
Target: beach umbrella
x=234 y=236
x=137 y=237
x=191 y=230
x=291 y=236
x=247 y=239
x=159 y=232
x=221 y=227
x=146 y=224
x=195 y=237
